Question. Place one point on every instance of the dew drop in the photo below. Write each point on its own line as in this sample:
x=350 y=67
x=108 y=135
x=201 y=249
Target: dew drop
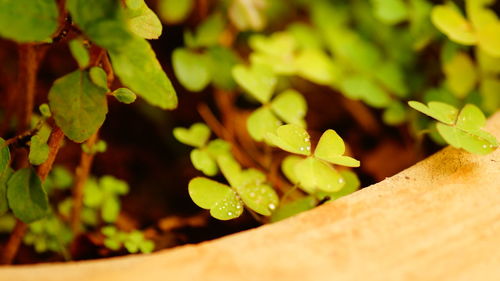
x=272 y=206
x=485 y=146
x=229 y=213
x=341 y=180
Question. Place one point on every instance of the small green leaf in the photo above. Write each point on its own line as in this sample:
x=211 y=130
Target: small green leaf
x=288 y=168
x=316 y=66
x=191 y=69
x=134 y=4
x=107 y=28
x=293 y=208
x=175 y=11
x=78 y=105
x=438 y=110
x=39 y=150
x=26 y=196
x=390 y=11
x=470 y=118
x=221 y=61
x=147 y=247
x=208 y=32
x=142 y=21
x=258 y=80
x=449 y=20
x=218 y=147
x=314 y=175
x=4 y=178
x=291 y=138
x=394 y=114
x=461 y=75
x=291 y=107
x=124 y=95
x=99 y=77
x=220 y=199
x=490 y=87
x=261 y=122
x=110 y=209
x=26 y=21
x=488 y=38
x=352 y=184
x=359 y=87
x=479 y=142
x=139 y=70
x=45 y=110
x=231 y=170
x=204 y=162
x=331 y=148
x=261 y=198
x=112 y=185
x=79 y=52
x=197 y=135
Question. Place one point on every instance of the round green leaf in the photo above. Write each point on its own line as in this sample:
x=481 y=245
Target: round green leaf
x=220 y=199
x=295 y=207
x=261 y=198
x=291 y=138
x=288 y=168
x=124 y=95
x=39 y=150
x=470 y=118
x=261 y=122
x=174 y=11
x=204 y=162
x=139 y=70
x=291 y=107
x=258 y=80
x=352 y=184
x=78 y=105
x=191 y=69
x=314 y=175
x=27 y=21
x=478 y=142
x=359 y=87
x=26 y=196
x=488 y=38
x=99 y=77
x=110 y=209
x=218 y=147
x=331 y=148
x=79 y=52
x=197 y=135
x=315 y=65
x=449 y=20
x=230 y=168
x=461 y=75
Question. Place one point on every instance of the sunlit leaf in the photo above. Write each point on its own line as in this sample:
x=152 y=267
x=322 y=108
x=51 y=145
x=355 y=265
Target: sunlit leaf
x=124 y=95
x=261 y=122
x=191 y=69
x=142 y=21
x=218 y=147
x=174 y=11
x=488 y=38
x=314 y=175
x=197 y=135
x=79 y=52
x=203 y=161
x=359 y=87
x=207 y=33
x=438 y=110
x=331 y=148
x=461 y=76
x=449 y=20
x=78 y=105
x=290 y=106
x=479 y=142
x=230 y=168
x=288 y=168
x=257 y=80
x=390 y=11
x=28 y=20
x=221 y=61
x=292 y=138
x=261 y=198
x=316 y=66
x=490 y=89
x=139 y=70
x=99 y=77
x=220 y=199
x=293 y=208
x=26 y=196
x=352 y=184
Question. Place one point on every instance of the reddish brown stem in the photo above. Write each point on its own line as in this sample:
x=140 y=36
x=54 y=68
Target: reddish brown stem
x=54 y=143
x=12 y=246
x=28 y=65
x=82 y=173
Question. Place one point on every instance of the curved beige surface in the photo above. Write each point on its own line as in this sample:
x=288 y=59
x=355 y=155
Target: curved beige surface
x=438 y=220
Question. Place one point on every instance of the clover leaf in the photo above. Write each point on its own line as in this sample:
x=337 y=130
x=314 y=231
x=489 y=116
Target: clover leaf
x=291 y=138
x=197 y=135
x=290 y=106
x=461 y=130
x=331 y=147
x=451 y=22
x=258 y=80
x=260 y=122
x=191 y=69
x=314 y=174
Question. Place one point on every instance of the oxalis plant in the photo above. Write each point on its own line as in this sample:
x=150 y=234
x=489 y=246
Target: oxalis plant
x=255 y=148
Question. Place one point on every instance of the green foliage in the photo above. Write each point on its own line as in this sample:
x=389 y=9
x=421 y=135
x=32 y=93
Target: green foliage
x=78 y=104
x=79 y=52
x=48 y=234
x=460 y=129
x=132 y=241
x=197 y=135
x=124 y=95
x=4 y=177
x=28 y=21
x=139 y=70
x=103 y=195
x=26 y=196
x=142 y=21
x=174 y=11
x=191 y=69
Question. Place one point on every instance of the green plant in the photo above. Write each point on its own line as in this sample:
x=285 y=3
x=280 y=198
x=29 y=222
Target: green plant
x=260 y=71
